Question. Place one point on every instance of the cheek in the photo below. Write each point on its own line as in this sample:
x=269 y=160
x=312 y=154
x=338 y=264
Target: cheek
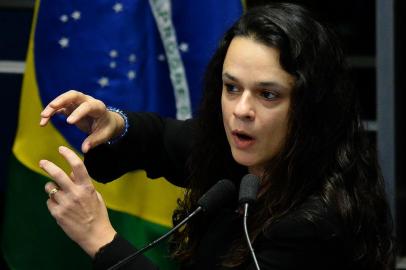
x=276 y=131
x=225 y=107
x=224 y=114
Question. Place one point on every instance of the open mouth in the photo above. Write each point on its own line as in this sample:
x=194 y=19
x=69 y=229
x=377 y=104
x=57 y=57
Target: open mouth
x=242 y=140
x=242 y=136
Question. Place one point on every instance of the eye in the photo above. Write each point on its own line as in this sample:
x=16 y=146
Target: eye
x=230 y=88
x=269 y=95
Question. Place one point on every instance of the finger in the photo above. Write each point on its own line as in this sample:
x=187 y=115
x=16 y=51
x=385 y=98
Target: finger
x=65 y=111
x=92 y=107
x=97 y=137
x=63 y=100
x=50 y=186
x=57 y=174
x=72 y=176
x=77 y=165
x=87 y=145
x=53 y=207
x=54 y=192
x=43 y=121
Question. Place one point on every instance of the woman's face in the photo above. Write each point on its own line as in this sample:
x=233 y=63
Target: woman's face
x=255 y=102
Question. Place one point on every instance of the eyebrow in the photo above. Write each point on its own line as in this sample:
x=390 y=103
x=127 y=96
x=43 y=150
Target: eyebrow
x=258 y=84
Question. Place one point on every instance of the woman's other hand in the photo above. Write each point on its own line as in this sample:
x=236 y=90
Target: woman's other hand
x=76 y=205
x=88 y=114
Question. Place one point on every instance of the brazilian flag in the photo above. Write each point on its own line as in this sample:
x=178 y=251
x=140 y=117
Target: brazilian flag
x=136 y=55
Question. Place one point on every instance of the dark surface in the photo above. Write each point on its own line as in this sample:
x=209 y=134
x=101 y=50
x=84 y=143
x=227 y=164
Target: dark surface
x=400 y=68
x=15 y=27
x=15 y=24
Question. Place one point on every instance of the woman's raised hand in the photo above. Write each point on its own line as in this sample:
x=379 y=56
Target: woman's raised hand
x=88 y=114
x=76 y=205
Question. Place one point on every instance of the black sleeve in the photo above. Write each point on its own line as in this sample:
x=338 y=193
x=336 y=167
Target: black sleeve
x=158 y=145
x=118 y=250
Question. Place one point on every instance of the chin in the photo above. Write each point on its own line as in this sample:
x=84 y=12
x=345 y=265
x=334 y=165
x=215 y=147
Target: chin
x=244 y=160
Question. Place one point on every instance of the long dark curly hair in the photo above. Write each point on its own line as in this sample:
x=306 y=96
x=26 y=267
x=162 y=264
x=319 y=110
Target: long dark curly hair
x=325 y=154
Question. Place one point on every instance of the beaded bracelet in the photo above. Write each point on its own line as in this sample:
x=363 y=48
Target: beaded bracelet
x=125 y=118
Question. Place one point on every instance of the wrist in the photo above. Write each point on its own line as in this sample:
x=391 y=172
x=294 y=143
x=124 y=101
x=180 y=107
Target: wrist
x=120 y=121
x=102 y=250
x=98 y=241
x=119 y=124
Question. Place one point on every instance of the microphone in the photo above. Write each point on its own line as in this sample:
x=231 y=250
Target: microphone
x=217 y=196
x=222 y=193
x=248 y=194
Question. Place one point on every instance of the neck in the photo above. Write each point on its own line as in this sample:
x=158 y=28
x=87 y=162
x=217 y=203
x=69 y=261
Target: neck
x=257 y=171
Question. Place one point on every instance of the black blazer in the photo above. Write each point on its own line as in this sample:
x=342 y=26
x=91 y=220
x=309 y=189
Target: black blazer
x=161 y=147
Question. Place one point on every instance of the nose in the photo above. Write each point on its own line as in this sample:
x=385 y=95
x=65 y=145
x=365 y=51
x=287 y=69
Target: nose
x=245 y=109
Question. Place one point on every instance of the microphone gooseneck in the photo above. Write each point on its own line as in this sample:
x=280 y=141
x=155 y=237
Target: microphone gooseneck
x=248 y=194
x=216 y=197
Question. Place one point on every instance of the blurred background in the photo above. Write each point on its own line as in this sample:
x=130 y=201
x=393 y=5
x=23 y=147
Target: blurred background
x=373 y=37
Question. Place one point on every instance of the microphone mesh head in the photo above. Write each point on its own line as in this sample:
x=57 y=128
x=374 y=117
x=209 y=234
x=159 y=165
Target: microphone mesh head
x=248 y=189
x=222 y=193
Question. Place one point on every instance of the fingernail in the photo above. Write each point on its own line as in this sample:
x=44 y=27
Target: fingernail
x=70 y=120
x=61 y=149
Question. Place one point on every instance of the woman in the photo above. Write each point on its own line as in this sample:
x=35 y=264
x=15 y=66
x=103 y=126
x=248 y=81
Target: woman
x=277 y=103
